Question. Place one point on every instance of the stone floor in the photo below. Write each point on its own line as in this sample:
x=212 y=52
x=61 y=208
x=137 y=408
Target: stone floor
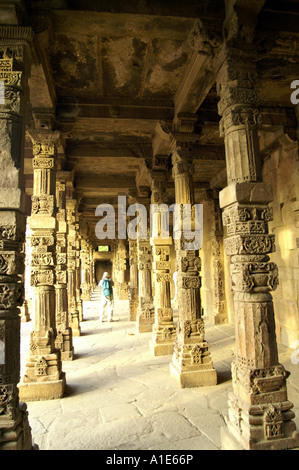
x=120 y=397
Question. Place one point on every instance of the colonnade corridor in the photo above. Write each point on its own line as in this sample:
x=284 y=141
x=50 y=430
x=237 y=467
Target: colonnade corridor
x=119 y=396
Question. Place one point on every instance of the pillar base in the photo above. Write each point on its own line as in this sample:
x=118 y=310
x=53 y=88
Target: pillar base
x=260 y=426
x=144 y=327
x=194 y=378
x=218 y=319
x=24 y=313
x=67 y=355
x=228 y=441
x=36 y=391
x=232 y=440
x=76 y=331
x=161 y=349
x=64 y=342
x=16 y=435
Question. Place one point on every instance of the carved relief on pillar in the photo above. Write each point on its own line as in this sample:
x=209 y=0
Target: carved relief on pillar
x=12 y=78
x=78 y=271
x=63 y=340
x=217 y=242
x=164 y=330
x=43 y=278
x=145 y=311
x=120 y=266
x=71 y=207
x=86 y=285
x=191 y=363
x=190 y=329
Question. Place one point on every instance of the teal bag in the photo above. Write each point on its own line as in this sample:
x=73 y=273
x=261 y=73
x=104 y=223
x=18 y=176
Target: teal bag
x=106 y=288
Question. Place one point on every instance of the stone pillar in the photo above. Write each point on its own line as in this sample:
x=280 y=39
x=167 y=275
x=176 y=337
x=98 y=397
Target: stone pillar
x=145 y=311
x=133 y=290
x=260 y=415
x=92 y=268
x=164 y=331
x=191 y=364
x=120 y=265
x=15 y=432
x=71 y=207
x=219 y=315
x=79 y=306
x=86 y=287
x=44 y=378
x=27 y=304
x=64 y=340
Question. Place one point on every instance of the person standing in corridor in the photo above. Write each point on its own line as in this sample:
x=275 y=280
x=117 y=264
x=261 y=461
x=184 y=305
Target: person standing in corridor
x=106 y=284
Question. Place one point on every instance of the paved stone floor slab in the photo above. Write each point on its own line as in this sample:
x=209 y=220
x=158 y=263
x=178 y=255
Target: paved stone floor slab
x=120 y=397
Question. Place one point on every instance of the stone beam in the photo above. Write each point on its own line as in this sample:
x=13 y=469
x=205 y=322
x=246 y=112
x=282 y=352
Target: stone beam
x=116 y=108
x=113 y=182
x=205 y=39
x=241 y=19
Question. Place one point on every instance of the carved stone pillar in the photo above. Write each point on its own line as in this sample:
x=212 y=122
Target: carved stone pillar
x=92 y=267
x=191 y=363
x=164 y=331
x=15 y=432
x=43 y=378
x=78 y=271
x=260 y=415
x=27 y=304
x=86 y=287
x=219 y=315
x=120 y=265
x=71 y=207
x=64 y=340
x=145 y=311
x=133 y=290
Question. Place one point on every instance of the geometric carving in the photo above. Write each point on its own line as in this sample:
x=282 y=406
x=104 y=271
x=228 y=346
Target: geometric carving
x=273 y=422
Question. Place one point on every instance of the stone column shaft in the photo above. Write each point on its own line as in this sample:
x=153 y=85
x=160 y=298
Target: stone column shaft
x=164 y=331
x=133 y=290
x=191 y=363
x=120 y=266
x=44 y=378
x=64 y=340
x=78 y=271
x=15 y=432
x=86 y=285
x=145 y=311
x=260 y=415
x=219 y=303
x=71 y=205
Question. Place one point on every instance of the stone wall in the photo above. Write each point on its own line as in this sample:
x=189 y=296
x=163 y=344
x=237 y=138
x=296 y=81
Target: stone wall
x=281 y=169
